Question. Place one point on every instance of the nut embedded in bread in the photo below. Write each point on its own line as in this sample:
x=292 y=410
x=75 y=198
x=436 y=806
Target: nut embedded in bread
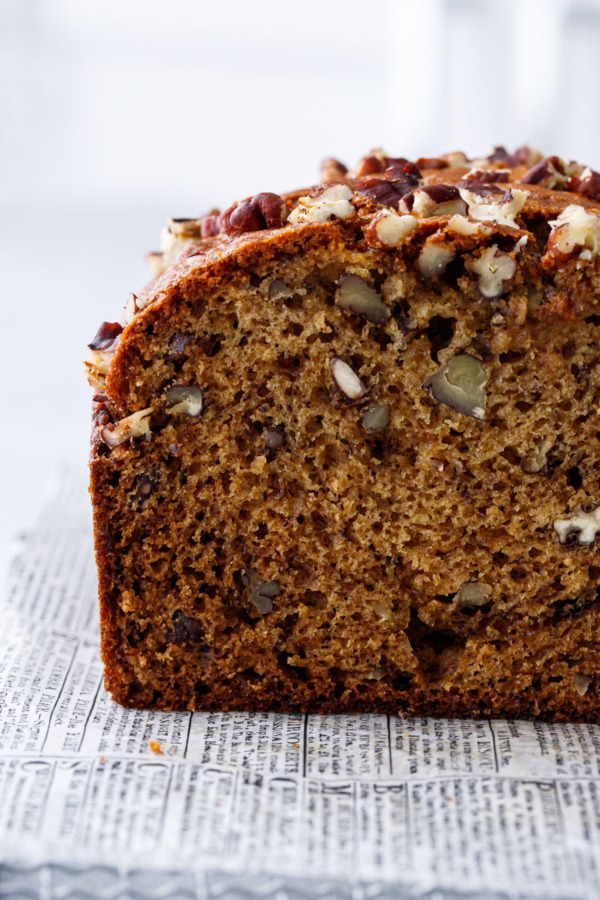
x=346 y=450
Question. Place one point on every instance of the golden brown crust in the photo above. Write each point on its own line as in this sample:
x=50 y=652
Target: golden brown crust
x=272 y=546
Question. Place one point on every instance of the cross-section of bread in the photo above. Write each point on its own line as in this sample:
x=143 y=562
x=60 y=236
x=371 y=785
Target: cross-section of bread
x=346 y=448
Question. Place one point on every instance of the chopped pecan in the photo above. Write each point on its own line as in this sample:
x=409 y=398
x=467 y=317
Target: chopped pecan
x=333 y=201
x=106 y=336
x=389 y=230
x=432 y=162
x=333 y=170
x=493 y=269
x=434 y=257
x=500 y=208
x=434 y=200
x=584 y=524
x=551 y=172
x=155 y=261
x=211 y=226
x=377 y=162
x=587 y=183
x=487 y=176
x=265 y=210
x=380 y=190
x=405 y=178
x=522 y=156
x=481 y=188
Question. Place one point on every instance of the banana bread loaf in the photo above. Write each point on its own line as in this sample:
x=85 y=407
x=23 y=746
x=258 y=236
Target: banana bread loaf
x=346 y=448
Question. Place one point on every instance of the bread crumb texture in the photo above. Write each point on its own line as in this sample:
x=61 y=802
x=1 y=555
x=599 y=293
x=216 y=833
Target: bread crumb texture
x=345 y=450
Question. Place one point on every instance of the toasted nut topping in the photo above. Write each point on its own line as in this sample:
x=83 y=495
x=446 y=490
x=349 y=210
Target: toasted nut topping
x=278 y=290
x=376 y=417
x=333 y=170
x=502 y=209
x=575 y=228
x=382 y=191
x=460 y=384
x=455 y=159
x=585 y=524
x=133 y=426
x=256 y=213
x=348 y=381
x=493 y=269
x=553 y=172
x=463 y=225
x=189 y=228
x=334 y=201
x=131 y=308
x=434 y=200
x=390 y=230
x=355 y=294
x=186 y=399
x=486 y=176
x=106 y=335
x=377 y=161
x=472 y=593
x=586 y=183
x=434 y=258
x=155 y=262
x=581 y=683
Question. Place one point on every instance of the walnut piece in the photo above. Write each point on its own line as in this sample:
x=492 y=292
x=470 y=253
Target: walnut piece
x=333 y=201
x=354 y=294
x=346 y=379
x=133 y=426
x=460 y=385
x=585 y=524
x=493 y=269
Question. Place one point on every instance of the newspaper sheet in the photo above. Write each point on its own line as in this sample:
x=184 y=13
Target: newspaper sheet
x=96 y=800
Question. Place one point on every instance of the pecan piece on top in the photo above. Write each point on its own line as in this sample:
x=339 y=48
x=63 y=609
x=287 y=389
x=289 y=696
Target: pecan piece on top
x=434 y=200
x=333 y=170
x=381 y=191
x=105 y=336
x=587 y=183
x=265 y=210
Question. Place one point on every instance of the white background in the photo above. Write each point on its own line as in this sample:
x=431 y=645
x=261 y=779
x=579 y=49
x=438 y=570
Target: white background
x=116 y=114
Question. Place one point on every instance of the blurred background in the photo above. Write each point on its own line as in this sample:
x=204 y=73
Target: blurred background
x=118 y=114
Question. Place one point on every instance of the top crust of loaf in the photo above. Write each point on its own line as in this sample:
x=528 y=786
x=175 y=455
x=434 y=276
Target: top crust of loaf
x=547 y=207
